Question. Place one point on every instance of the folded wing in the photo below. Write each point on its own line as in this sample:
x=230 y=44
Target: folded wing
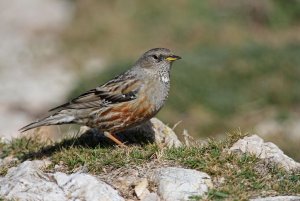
x=116 y=91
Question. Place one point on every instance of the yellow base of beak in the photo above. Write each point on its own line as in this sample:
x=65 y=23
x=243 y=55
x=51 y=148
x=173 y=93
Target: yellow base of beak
x=173 y=58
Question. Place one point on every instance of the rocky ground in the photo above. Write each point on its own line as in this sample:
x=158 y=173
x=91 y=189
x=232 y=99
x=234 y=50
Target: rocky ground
x=137 y=173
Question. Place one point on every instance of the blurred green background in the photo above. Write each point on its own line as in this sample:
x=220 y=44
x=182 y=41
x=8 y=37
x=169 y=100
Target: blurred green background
x=240 y=66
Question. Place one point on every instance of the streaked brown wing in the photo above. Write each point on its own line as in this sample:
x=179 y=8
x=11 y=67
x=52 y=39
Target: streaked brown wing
x=115 y=91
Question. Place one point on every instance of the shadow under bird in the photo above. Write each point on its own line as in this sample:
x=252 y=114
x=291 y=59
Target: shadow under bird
x=127 y=100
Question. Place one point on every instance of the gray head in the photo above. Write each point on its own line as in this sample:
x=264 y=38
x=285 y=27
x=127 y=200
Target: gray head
x=157 y=59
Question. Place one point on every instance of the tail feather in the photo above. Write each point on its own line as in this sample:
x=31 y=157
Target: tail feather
x=55 y=119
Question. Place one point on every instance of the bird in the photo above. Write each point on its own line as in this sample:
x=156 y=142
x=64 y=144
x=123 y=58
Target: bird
x=127 y=100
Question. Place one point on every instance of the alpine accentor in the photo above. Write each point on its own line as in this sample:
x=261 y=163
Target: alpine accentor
x=128 y=100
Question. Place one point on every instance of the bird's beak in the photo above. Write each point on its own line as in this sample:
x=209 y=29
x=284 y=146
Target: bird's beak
x=172 y=58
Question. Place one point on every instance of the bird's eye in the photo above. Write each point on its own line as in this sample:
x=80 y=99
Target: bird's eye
x=155 y=57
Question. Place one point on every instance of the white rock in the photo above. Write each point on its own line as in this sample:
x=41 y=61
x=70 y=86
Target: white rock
x=164 y=134
x=266 y=151
x=85 y=187
x=28 y=182
x=141 y=188
x=143 y=193
x=278 y=198
x=179 y=184
x=151 y=197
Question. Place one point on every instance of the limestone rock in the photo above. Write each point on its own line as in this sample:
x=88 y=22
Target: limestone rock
x=180 y=184
x=28 y=182
x=141 y=189
x=151 y=197
x=278 y=198
x=85 y=187
x=151 y=131
x=142 y=192
x=264 y=150
x=164 y=134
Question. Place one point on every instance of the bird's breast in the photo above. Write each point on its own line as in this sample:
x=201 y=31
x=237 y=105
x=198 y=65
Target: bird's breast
x=158 y=91
x=149 y=100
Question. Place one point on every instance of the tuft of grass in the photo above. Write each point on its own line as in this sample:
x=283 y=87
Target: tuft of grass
x=19 y=147
x=98 y=159
x=235 y=177
x=217 y=195
x=195 y=198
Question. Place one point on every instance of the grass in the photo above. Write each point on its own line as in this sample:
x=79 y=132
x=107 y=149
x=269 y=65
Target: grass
x=235 y=177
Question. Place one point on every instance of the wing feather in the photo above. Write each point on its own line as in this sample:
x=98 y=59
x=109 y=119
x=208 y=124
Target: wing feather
x=120 y=89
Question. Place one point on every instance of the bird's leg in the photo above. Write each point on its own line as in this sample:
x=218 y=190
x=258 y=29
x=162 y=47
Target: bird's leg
x=113 y=138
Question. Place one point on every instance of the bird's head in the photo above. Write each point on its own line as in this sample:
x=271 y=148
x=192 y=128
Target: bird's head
x=157 y=59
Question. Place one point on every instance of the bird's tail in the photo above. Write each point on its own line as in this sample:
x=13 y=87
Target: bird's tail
x=55 y=119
